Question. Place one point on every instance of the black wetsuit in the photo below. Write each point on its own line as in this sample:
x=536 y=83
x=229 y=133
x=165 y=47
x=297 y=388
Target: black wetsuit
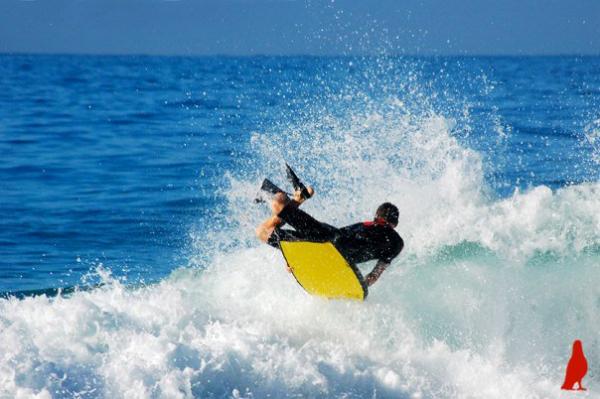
x=360 y=242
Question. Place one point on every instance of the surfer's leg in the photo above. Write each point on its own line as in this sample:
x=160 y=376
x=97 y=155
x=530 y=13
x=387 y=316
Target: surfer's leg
x=284 y=235
x=306 y=225
x=266 y=228
x=281 y=200
x=312 y=230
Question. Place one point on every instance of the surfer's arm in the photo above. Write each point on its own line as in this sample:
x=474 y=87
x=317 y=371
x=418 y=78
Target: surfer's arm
x=386 y=260
x=376 y=272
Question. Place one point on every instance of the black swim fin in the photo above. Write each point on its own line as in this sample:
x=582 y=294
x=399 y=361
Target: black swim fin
x=295 y=180
x=269 y=187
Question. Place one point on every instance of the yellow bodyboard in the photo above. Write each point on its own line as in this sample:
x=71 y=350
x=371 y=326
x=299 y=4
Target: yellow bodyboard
x=321 y=270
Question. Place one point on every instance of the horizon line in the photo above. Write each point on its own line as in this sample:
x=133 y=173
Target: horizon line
x=293 y=55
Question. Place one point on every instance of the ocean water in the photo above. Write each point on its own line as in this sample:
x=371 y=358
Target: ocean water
x=128 y=266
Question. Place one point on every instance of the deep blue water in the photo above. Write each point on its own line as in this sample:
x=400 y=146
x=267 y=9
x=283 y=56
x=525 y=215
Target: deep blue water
x=115 y=160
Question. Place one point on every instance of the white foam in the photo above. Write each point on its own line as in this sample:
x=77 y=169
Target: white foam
x=245 y=328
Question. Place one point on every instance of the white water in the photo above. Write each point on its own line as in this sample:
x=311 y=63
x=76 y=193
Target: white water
x=484 y=302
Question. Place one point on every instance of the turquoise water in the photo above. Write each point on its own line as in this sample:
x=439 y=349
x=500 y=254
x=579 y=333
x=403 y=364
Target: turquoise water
x=127 y=182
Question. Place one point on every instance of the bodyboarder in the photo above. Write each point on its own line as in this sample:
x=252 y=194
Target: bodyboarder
x=357 y=243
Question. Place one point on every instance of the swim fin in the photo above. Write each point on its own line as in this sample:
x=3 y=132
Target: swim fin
x=295 y=180
x=269 y=187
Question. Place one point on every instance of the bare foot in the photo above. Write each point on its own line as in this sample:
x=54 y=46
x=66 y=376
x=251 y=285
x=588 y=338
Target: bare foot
x=280 y=200
x=298 y=195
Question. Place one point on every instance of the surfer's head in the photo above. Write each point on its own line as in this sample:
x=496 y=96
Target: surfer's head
x=388 y=212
